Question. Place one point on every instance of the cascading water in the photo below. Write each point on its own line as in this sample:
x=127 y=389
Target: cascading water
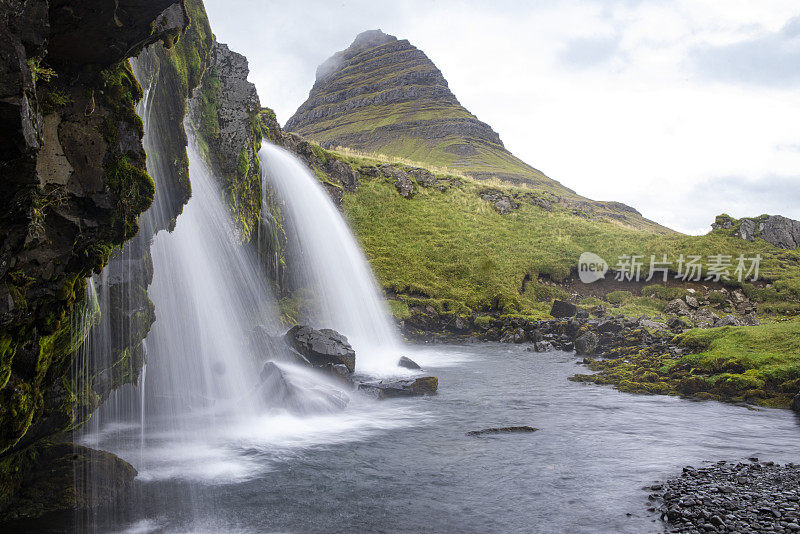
x=211 y=411
x=328 y=263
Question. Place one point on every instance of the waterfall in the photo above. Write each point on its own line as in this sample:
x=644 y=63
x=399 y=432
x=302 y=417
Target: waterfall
x=207 y=411
x=328 y=263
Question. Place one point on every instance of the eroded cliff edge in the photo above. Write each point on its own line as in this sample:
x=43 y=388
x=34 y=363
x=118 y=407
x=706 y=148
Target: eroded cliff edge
x=74 y=183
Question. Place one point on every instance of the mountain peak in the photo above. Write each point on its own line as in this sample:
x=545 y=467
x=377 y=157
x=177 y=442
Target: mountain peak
x=372 y=38
x=384 y=95
x=363 y=41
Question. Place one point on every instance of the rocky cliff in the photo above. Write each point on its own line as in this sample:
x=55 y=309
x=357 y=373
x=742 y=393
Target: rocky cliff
x=73 y=173
x=226 y=114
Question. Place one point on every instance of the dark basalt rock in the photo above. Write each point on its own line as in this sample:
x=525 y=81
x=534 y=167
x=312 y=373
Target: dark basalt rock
x=796 y=403
x=321 y=347
x=563 y=309
x=731 y=497
x=502 y=430
x=73 y=171
x=49 y=484
x=401 y=388
x=586 y=344
x=408 y=363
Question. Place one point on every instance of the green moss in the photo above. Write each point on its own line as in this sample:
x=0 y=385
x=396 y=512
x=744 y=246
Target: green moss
x=619 y=297
x=755 y=364
x=399 y=309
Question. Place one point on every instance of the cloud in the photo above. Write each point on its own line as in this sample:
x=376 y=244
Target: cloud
x=587 y=52
x=770 y=59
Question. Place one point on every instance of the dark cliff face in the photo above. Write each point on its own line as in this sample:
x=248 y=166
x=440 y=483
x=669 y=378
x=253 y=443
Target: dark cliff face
x=384 y=95
x=226 y=115
x=73 y=175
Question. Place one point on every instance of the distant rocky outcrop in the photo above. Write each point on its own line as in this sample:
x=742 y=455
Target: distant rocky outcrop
x=774 y=229
x=383 y=95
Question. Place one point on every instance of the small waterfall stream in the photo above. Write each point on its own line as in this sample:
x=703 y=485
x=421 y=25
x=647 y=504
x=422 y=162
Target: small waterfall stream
x=329 y=263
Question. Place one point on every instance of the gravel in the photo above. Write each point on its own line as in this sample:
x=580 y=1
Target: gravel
x=729 y=497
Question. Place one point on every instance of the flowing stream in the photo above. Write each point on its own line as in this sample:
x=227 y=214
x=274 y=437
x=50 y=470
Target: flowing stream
x=328 y=263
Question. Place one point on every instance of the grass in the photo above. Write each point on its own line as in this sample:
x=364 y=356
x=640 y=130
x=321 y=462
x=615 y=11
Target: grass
x=454 y=245
x=772 y=349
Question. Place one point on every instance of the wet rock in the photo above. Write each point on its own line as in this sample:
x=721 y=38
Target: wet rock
x=408 y=363
x=609 y=326
x=731 y=497
x=386 y=389
x=563 y=309
x=586 y=344
x=298 y=391
x=796 y=403
x=321 y=347
x=339 y=372
x=502 y=430
x=540 y=346
x=514 y=335
x=49 y=483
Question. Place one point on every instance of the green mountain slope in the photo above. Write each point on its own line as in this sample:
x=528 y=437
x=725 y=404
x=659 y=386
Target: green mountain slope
x=383 y=95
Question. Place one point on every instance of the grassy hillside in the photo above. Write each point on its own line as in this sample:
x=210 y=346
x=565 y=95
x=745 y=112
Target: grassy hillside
x=448 y=243
x=448 y=247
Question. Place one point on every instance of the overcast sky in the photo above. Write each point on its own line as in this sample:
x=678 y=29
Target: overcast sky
x=683 y=109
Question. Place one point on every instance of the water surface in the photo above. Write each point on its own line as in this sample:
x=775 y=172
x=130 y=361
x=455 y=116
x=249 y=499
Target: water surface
x=407 y=465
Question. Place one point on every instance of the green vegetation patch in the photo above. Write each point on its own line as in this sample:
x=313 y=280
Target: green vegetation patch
x=753 y=364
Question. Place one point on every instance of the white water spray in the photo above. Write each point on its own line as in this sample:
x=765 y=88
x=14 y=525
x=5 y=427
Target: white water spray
x=329 y=263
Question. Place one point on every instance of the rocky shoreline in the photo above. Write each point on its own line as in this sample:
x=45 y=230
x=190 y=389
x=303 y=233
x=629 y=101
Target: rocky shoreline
x=732 y=498
x=646 y=355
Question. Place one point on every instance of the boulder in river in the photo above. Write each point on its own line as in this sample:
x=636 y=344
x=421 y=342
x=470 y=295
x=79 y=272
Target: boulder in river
x=408 y=363
x=796 y=403
x=502 y=430
x=386 y=389
x=321 y=347
x=563 y=309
